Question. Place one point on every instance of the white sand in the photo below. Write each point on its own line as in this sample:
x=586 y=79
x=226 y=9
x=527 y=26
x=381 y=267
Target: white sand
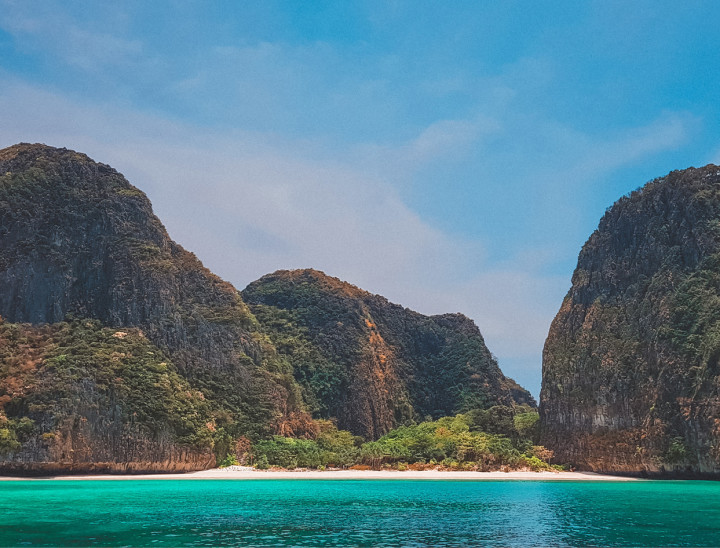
x=242 y=473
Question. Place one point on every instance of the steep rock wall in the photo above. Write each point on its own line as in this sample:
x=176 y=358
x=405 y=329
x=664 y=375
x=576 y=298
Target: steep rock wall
x=372 y=364
x=78 y=240
x=630 y=366
x=77 y=397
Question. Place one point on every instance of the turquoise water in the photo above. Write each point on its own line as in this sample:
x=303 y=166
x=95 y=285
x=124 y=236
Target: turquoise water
x=358 y=513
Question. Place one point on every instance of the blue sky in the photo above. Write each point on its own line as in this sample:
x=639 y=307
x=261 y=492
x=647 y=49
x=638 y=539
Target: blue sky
x=452 y=156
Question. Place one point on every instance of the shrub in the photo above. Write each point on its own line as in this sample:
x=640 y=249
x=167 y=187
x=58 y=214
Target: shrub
x=535 y=464
x=262 y=463
x=8 y=441
x=289 y=452
x=449 y=440
x=229 y=460
x=676 y=452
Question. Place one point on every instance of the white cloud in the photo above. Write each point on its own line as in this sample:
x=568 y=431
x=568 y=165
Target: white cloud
x=221 y=193
x=250 y=203
x=45 y=27
x=666 y=132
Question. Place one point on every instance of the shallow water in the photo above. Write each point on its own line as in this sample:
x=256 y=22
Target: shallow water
x=359 y=513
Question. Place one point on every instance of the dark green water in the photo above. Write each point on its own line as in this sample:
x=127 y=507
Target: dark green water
x=359 y=513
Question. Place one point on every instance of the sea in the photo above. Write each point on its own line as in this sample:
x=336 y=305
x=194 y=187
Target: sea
x=358 y=513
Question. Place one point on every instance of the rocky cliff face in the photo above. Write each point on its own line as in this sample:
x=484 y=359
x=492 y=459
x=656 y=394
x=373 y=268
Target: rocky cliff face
x=76 y=397
x=631 y=374
x=78 y=241
x=120 y=352
x=373 y=364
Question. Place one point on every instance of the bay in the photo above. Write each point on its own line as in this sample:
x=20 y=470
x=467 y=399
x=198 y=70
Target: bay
x=358 y=513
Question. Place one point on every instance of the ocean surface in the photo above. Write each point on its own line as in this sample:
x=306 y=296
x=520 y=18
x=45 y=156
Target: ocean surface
x=358 y=513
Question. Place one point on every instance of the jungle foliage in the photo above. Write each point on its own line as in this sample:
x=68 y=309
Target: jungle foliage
x=53 y=376
x=459 y=442
x=350 y=351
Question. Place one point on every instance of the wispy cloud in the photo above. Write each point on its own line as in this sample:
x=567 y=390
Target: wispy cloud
x=88 y=48
x=248 y=204
x=452 y=159
x=219 y=192
x=668 y=131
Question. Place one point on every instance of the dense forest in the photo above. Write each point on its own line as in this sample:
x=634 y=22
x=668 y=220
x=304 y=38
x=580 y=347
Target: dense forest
x=496 y=438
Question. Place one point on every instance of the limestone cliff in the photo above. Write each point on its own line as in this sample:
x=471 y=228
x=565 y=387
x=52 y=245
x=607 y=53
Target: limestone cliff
x=76 y=397
x=631 y=364
x=78 y=241
x=120 y=352
x=373 y=364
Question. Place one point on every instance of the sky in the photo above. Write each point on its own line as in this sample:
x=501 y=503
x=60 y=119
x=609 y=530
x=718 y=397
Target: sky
x=451 y=156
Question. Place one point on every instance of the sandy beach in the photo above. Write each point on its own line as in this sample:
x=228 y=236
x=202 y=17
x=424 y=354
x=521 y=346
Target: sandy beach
x=243 y=473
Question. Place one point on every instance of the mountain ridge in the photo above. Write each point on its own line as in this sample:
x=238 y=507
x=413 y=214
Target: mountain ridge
x=378 y=343
x=95 y=295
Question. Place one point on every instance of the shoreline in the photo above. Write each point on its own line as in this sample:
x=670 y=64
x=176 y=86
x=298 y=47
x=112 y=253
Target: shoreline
x=252 y=474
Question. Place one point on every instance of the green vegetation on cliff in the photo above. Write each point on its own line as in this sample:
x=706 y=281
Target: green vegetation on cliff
x=77 y=240
x=371 y=364
x=631 y=381
x=458 y=442
x=81 y=382
x=165 y=366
